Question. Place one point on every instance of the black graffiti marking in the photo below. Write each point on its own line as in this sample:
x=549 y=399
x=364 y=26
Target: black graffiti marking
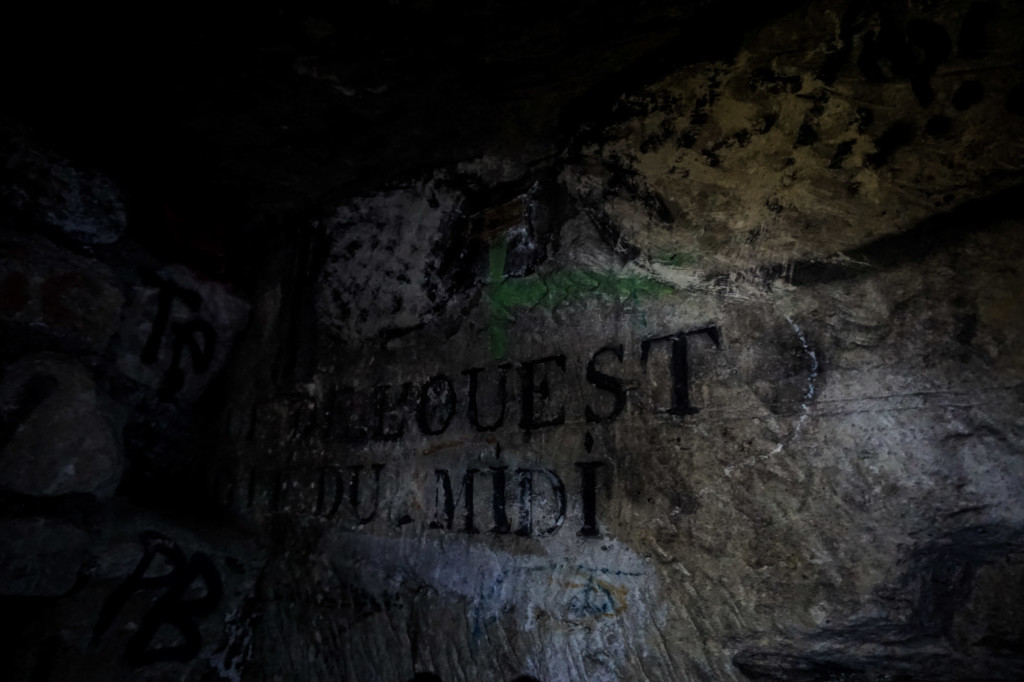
x=202 y=356
x=170 y=608
x=168 y=292
x=184 y=334
x=679 y=364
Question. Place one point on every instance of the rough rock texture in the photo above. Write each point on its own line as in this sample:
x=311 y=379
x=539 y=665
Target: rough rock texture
x=85 y=205
x=107 y=358
x=41 y=558
x=698 y=356
x=57 y=439
x=151 y=600
x=177 y=331
x=55 y=298
x=729 y=390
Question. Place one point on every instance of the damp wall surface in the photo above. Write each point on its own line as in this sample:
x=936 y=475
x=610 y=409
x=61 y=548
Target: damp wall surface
x=728 y=386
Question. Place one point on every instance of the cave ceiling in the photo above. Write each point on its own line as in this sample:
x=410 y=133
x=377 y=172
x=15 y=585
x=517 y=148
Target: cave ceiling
x=273 y=111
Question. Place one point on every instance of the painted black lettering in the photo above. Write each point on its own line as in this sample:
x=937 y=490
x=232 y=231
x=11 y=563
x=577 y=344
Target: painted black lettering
x=526 y=498
x=588 y=492
x=679 y=366
x=529 y=419
x=335 y=492
x=353 y=492
x=389 y=418
x=437 y=405
x=608 y=383
x=473 y=409
x=444 y=488
x=501 y=524
x=350 y=412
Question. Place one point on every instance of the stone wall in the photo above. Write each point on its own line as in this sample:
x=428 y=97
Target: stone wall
x=110 y=560
x=728 y=387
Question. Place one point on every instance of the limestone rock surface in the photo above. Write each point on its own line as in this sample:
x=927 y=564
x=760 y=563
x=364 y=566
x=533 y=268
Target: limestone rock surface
x=85 y=205
x=57 y=439
x=523 y=342
x=54 y=298
x=730 y=389
x=41 y=557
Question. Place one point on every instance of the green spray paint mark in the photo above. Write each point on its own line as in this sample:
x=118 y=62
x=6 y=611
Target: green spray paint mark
x=552 y=291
